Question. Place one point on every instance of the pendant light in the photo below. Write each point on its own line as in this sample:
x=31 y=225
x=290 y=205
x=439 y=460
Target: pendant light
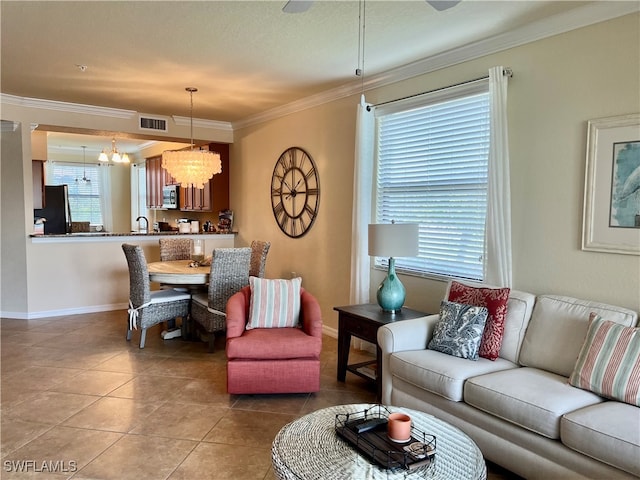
x=191 y=167
x=84 y=178
x=113 y=156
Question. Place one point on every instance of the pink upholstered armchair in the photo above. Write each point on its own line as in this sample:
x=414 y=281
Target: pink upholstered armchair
x=273 y=360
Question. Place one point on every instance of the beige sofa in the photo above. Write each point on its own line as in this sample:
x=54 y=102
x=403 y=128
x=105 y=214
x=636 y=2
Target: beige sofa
x=520 y=408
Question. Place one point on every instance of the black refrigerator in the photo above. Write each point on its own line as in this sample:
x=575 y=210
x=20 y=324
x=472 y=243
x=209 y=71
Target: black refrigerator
x=56 y=211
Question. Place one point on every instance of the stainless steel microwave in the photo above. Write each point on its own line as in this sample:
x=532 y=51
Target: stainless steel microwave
x=170 y=197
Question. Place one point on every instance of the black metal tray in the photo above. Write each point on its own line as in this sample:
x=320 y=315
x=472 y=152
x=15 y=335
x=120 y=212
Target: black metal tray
x=376 y=445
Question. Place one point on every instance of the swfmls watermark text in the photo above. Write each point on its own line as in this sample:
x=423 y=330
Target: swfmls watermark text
x=40 y=466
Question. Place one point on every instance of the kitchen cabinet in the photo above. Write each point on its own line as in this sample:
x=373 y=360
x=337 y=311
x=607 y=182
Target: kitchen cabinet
x=157 y=178
x=196 y=199
x=37 y=167
x=155 y=182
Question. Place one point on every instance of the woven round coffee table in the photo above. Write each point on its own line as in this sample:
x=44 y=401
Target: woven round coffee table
x=309 y=448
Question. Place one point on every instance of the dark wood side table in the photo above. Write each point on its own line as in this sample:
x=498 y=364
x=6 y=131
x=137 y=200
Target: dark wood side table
x=363 y=321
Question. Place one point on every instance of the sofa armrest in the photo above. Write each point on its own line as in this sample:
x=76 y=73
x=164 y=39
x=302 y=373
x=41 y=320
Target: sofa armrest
x=310 y=314
x=412 y=334
x=238 y=312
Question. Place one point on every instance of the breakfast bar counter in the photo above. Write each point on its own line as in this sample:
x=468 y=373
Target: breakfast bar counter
x=127 y=237
x=83 y=273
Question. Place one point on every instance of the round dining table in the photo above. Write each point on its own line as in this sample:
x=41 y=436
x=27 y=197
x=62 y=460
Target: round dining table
x=178 y=272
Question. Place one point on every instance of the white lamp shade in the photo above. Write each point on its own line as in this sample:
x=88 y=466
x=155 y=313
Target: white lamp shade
x=393 y=240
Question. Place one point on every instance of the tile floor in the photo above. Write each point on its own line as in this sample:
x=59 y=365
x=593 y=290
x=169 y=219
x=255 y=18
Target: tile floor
x=78 y=401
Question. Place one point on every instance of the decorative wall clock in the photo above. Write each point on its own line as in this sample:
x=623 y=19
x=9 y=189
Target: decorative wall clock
x=295 y=192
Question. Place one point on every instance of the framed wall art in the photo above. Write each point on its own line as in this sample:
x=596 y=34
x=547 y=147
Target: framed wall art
x=611 y=216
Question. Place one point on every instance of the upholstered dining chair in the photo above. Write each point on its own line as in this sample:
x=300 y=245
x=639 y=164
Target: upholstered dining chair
x=147 y=308
x=266 y=356
x=175 y=249
x=229 y=273
x=259 y=250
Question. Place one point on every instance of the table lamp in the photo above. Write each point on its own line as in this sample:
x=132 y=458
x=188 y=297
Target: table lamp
x=392 y=240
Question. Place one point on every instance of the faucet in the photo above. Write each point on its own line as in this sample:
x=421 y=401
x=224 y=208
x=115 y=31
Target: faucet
x=146 y=227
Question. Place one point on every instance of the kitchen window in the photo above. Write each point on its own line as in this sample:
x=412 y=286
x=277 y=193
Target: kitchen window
x=85 y=189
x=432 y=169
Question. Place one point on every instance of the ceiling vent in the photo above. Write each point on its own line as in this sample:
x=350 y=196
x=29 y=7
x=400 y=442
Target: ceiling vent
x=152 y=124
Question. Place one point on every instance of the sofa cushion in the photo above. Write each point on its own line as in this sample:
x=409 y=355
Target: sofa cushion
x=527 y=397
x=273 y=344
x=557 y=330
x=459 y=330
x=609 y=361
x=275 y=303
x=609 y=432
x=519 y=309
x=495 y=300
x=439 y=373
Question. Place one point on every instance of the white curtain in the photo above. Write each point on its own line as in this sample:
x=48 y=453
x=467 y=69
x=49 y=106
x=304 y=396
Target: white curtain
x=361 y=215
x=498 y=270
x=105 y=197
x=48 y=172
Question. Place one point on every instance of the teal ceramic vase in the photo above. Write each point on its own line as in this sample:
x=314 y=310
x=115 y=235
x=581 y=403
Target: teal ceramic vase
x=391 y=292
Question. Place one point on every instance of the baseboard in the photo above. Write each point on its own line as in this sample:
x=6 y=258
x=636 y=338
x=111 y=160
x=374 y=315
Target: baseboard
x=332 y=332
x=63 y=312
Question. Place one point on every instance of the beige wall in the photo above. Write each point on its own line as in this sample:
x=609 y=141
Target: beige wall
x=13 y=255
x=559 y=84
x=322 y=256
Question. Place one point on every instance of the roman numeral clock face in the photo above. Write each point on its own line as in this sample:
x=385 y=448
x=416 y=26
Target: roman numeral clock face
x=295 y=192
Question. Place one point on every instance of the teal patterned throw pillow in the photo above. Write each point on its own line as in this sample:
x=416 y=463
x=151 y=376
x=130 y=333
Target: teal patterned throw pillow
x=459 y=330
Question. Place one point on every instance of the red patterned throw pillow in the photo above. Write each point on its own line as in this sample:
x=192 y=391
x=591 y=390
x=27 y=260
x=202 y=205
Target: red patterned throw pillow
x=495 y=299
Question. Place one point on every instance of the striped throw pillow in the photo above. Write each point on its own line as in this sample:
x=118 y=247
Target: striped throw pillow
x=609 y=361
x=275 y=303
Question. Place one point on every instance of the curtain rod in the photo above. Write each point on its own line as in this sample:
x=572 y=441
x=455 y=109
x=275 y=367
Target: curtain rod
x=506 y=71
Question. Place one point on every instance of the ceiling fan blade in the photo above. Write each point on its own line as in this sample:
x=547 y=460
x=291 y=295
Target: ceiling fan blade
x=441 y=5
x=297 y=6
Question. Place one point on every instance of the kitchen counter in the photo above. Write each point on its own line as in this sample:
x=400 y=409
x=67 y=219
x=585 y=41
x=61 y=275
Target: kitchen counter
x=109 y=236
x=112 y=234
x=87 y=272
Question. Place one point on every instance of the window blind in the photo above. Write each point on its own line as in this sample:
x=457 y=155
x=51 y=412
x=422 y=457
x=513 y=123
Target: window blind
x=84 y=197
x=432 y=169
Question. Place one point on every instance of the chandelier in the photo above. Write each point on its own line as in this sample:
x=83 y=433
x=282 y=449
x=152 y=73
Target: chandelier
x=191 y=167
x=113 y=156
x=84 y=178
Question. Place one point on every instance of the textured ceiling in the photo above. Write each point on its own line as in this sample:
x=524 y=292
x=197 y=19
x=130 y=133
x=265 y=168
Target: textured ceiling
x=245 y=57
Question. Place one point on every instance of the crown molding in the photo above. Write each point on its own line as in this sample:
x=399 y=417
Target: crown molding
x=584 y=16
x=104 y=111
x=302 y=104
x=202 y=123
x=66 y=106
